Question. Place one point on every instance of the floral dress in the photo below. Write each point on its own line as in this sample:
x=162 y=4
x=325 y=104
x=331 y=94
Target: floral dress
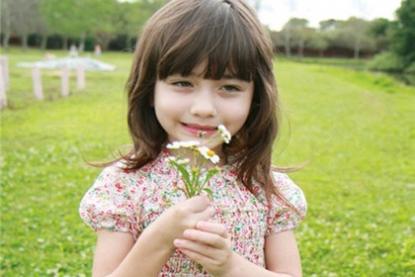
x=123 y=201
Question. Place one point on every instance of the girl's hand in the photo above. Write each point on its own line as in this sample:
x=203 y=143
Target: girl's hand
x=182 y=216
x=209 y=245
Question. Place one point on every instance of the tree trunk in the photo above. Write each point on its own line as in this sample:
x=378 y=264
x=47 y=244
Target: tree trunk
x=132 y=44
x=24 y=42
x=103 y=40
x=65 y=43
x=127 y=43
x=5 y=23
x=6 y=39
x=81 y=47
x=357 y=49
x=44 y=42
x=301 y=49
x=287 y=45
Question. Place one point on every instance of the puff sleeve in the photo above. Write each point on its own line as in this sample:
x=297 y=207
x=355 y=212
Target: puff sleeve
x=281 y=217
x=109 y=202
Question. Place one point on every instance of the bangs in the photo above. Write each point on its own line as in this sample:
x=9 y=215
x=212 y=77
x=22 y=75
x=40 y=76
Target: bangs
x=211 y=33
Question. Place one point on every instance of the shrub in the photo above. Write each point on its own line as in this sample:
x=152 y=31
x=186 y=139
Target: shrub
x=386 y=61
x=410 y=69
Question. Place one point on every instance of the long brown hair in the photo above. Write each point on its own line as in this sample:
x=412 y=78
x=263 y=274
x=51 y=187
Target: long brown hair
x=228 y=35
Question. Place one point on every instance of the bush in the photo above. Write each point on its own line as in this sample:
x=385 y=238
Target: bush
x=410 y=69
x=386 y=61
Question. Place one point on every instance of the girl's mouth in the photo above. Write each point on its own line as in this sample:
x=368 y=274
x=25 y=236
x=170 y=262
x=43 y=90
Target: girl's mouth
x=199 y=130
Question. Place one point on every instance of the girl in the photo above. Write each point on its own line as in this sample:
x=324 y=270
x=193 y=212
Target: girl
x=198 y=64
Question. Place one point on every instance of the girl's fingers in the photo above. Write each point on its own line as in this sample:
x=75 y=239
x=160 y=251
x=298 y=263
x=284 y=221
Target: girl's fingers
x=199 y=248
x=213 y=227
x=205 y=214
x=197 y=203
x=207 y=238
x=199 y=258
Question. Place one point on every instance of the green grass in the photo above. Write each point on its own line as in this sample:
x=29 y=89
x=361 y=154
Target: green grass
x=355 y=129
x=357 y=64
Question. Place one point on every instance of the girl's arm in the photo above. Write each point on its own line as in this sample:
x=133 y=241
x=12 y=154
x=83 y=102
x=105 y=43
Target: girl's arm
x=118 y=255
x=281 y=253
x=210 y=246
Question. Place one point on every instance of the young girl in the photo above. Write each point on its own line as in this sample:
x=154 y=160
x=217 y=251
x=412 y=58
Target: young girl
x=198 y=64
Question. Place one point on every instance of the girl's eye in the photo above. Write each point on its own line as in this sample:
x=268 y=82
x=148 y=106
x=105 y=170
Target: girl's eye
x=231 y=88
x=182 y=84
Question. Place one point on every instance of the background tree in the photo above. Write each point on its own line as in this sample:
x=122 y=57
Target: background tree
x=381 y=30
x=5 y=21
x=318 y=40
x=131 y=17
x=329 y=25
x=276 y=40
x=403 y=43
x=64 y=18
x=285 y=34
x=400 y=54
x=356 y=37
x=351 y=34
x=20 y=17
x=104 y=25
x=295 y=33
x=78 y=18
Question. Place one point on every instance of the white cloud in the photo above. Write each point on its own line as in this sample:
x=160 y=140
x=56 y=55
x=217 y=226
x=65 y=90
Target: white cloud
x=275 y=13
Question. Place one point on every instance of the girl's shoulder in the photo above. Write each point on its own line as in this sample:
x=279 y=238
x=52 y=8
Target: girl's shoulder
x=290 y=207
x=118 y=173
x=286 y=185
x=112 y=201
x=118 y=176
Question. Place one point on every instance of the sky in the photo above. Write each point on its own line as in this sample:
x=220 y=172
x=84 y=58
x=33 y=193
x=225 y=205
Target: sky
x=275 y=13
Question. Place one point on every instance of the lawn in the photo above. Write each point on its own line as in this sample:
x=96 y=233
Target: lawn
x=354 y=129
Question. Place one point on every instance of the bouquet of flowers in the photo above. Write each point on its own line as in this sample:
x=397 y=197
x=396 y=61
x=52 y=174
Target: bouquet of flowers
x=193 y=171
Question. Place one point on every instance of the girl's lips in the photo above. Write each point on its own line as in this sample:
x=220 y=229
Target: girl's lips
x=197 y=129
x=200 y=127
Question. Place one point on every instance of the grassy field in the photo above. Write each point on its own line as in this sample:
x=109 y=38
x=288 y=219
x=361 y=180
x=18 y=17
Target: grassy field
x=355 y=129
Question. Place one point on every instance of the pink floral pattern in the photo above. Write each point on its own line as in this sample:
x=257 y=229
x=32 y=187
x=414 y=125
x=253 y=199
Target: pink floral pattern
x=129 y=202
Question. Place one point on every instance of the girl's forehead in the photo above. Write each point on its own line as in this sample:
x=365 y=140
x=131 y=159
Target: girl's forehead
x=200 y=69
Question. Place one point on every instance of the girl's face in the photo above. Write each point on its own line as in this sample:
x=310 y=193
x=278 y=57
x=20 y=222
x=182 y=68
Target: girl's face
x=187 y=106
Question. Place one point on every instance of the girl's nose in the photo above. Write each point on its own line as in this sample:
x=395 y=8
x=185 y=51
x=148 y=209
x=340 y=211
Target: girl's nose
x=203 y=104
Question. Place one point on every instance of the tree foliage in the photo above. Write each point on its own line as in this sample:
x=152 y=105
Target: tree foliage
x=20 y=17
x=381 y=29
x=404 y=37
x=75 y=19
x=400 y=38
x=295 y=33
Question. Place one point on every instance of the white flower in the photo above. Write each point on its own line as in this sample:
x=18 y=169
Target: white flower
x=171 y=159
x=183 y=161
x=177 y=160
x=208 y=154
x=226 y=135
x=183 y=144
